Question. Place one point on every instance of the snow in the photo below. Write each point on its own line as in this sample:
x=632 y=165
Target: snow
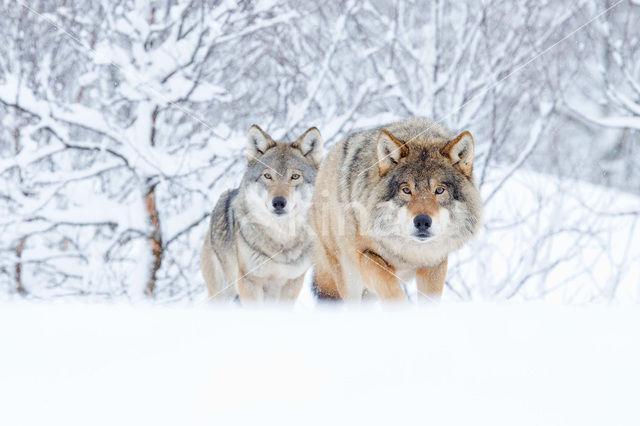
x=615 y=121
x=516 y=363
x=533 y=227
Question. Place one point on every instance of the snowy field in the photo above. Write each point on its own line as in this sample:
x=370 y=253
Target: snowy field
x=467 y=363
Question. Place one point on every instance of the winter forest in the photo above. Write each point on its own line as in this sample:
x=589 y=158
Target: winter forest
x=121 y=123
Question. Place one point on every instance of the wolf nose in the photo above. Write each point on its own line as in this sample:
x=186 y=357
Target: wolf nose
x=422 y=222
x=279 y=203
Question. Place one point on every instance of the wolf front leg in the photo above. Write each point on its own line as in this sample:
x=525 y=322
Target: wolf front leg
x=290 y=290
x=430 y=281
x=379 y=276
x=250 y=290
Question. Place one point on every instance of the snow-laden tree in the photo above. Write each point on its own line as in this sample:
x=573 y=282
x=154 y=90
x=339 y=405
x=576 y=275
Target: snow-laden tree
x=607 y=97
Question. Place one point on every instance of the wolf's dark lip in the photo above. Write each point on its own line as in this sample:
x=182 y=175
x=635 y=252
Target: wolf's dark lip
x=422 y=236
x=279 y=212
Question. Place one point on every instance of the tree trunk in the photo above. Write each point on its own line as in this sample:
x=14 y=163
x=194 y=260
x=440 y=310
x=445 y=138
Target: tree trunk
x=18 y=271
x=155 y=239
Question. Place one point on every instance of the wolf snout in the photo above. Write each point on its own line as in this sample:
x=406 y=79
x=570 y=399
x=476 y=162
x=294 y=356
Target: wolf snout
x=279 y=203
x=422 y=222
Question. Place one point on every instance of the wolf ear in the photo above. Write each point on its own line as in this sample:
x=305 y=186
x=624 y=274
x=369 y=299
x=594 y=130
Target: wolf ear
x=460 y=152
x=390 y=151
x=310 y=144
x=258 y=142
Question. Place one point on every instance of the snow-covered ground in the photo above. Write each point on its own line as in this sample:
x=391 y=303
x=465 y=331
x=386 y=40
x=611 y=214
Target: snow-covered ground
x=466 y=363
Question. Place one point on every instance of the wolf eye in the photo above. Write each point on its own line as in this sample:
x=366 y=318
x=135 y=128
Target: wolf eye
x=267 y=176
x=439 y=190
x=295 y=176
x=406 y=190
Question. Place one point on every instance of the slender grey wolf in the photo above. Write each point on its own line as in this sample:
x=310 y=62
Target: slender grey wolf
x=258 y=246
x=390 y=204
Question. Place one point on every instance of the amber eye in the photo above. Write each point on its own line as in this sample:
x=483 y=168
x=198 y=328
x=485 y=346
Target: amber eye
x=406 y=190
x=267 y=176
x=295 y=176
x=439 y=190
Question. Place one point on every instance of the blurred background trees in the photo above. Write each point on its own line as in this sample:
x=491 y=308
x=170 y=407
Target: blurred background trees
x=121 y=123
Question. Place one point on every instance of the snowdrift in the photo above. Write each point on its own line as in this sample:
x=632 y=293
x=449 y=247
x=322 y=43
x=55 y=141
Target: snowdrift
x=471 y=363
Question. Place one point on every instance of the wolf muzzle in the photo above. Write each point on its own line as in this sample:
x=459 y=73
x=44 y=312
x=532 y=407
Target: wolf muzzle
x=422 y=223
x=279 y=203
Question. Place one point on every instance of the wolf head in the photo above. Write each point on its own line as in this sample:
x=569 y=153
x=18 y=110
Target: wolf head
x=426 y=187
x=280 y=176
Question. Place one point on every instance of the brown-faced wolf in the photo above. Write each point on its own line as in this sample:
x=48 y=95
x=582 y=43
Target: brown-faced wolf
x=258 y=245
x=389 y=205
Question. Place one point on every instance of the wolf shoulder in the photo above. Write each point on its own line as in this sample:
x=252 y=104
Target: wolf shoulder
x=404 y=129
x=222 y=224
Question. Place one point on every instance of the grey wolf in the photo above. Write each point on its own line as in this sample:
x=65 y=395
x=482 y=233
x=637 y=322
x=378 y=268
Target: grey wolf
x=390 y=204
x=258 y=245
